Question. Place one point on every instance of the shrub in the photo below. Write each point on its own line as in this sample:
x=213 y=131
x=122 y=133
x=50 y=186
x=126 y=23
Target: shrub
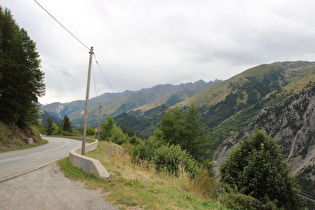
x=90 y=131
x=172 y=159
x=145 y=150
x=236 y=200
x=118 y=137
x=257 y=168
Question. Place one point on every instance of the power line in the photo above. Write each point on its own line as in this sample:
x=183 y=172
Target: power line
x=62 y=25
x=109 y=83
x=98 y=103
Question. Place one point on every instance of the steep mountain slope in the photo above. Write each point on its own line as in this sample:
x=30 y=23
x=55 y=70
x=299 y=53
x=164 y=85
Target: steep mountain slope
x=228 y=106
x=171 y=99
x=292 y=125
x=255 y=82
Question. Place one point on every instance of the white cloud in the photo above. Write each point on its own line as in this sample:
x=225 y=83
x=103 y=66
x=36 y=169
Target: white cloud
x=142 y=43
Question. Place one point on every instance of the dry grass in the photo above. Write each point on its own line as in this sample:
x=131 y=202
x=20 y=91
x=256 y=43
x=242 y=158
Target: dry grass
x=138 y=185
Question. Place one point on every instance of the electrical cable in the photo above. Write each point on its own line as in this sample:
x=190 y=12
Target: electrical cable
x=62 y=25
x=98 y=103
x=86 y=48
x=109 y=84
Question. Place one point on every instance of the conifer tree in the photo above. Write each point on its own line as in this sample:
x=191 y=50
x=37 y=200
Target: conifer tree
x=66 y=124
x=185 y=129
x=21 y=80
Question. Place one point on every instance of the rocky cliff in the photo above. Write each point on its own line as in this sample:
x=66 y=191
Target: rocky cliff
x=291 y=124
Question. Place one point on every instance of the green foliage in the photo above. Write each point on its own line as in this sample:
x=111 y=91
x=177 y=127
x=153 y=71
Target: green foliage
x=257 y=169
x=45 y=115
x=107 y=128
x=145 y=150
x=172 y=159
x=55 y=129
x=185 y=129
x=21 y=81
x=49 y=126
x=90 y=131
x=66 y=124
x=118 y=137
x=235 y=200
x=171 y=128
x=110 y=132
x=143 y=125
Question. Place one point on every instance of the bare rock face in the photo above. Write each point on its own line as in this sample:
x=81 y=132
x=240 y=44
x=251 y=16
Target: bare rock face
x=291 y=124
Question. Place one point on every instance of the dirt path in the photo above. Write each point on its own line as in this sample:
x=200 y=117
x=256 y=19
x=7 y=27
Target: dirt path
x=47 y=188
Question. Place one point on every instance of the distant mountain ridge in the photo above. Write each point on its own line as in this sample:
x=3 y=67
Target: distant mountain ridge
x=59 y=110
x=128 y=100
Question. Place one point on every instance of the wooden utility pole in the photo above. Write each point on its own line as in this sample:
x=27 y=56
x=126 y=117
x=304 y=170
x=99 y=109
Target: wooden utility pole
x=99 y=123
x=86 y=103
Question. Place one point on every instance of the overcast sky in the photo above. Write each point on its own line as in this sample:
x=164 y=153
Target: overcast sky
x=141 y=43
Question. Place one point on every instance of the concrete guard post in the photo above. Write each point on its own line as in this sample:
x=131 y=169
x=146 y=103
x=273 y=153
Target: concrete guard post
x=88 y=165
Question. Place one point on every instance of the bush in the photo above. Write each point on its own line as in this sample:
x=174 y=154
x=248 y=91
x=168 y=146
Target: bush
x=90 y=131
x=145 y=149
x=236 y=200
x=118 y=137
x=172 y=159
x=257 y=168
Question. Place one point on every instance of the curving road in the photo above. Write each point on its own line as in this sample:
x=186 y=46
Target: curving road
x=15 y=163
x=30 y=179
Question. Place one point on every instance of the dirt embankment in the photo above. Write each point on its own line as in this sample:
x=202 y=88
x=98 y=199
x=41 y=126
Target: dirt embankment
x=12 y=137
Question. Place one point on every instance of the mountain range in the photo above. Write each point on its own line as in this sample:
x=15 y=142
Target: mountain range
x=113 y=104
x=278 y=98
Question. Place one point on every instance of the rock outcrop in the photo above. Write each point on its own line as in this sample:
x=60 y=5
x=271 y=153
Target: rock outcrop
x=291 y=124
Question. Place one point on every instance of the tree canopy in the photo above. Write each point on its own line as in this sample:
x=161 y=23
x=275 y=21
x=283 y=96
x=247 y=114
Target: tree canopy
x=66 y=124
x=184 y=128
x=256 y=168
x=21 y=80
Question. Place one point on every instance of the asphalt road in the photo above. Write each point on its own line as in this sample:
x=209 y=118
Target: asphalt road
x=15 y=163
x=30 y=179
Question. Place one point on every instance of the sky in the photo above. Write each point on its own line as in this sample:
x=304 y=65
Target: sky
x=142 y=43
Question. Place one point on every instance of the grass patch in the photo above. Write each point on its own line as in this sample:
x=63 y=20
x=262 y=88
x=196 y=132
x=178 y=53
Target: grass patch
x=138 y=185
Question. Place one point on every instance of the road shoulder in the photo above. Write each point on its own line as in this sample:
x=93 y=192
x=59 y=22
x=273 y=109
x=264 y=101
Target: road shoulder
x=47 y=188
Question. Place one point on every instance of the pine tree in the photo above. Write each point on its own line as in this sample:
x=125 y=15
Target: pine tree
x=49 y=128
x=66 y=124
x=21 y=80
x=185 y=129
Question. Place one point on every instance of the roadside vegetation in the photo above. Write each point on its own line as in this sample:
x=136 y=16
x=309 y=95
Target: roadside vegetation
x=21 y=83
x=139 y=184
x=161 y=172
x=172 y=168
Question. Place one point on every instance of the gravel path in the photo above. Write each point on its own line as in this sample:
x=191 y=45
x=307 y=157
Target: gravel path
x=47 y=188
